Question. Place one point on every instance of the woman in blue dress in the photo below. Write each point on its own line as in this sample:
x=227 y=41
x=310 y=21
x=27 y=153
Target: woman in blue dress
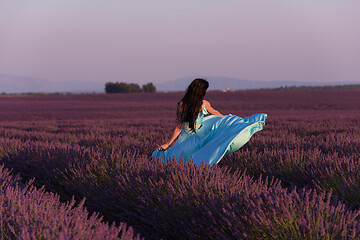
x=206 y=138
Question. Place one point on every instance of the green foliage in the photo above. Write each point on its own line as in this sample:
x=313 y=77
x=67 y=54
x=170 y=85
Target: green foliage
x=122 y=87
x=149 y=88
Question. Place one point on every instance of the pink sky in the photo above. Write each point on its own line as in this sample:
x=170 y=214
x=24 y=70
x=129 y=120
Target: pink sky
x=162 y=40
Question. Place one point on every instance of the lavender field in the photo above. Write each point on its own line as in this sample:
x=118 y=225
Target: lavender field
x=80 y=167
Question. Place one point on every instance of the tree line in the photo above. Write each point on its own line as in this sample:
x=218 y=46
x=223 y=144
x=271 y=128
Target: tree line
x=121 y=87
x=325 y=87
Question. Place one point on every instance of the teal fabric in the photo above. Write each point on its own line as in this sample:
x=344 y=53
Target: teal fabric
x=216 y=137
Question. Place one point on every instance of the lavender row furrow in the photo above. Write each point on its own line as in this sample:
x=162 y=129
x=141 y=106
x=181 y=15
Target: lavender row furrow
x=296 y=179
x=30 y=213
x=305 y=156
x=177 y=200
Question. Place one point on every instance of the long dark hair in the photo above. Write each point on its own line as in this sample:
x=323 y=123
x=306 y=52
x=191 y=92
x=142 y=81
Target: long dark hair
x=190 y=105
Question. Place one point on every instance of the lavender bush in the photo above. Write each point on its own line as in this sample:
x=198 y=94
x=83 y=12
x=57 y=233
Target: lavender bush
x=177 y=199
x=322 y=153
x=31 y=213
x=297 y=179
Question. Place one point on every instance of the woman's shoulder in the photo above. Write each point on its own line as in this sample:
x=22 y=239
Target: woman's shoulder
x=206 y=103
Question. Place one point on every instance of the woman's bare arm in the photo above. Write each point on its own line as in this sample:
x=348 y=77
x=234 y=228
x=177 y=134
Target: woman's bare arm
x=173 y=137
x=211 y=110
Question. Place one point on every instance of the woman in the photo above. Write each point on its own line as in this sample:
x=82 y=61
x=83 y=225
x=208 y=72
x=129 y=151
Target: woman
x=206 y=139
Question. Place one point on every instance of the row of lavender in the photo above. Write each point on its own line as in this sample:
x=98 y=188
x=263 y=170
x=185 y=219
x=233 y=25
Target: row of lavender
x=162 y=105
x=30 y=213
x=319 y=153
x=108 y=163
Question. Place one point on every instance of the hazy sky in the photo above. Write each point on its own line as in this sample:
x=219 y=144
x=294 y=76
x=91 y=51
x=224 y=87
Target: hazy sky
x=162 y=40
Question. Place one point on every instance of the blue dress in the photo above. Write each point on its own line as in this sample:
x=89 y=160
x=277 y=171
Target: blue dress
x=216 y=137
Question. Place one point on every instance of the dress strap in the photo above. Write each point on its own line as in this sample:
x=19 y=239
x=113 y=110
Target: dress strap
x=204 y=109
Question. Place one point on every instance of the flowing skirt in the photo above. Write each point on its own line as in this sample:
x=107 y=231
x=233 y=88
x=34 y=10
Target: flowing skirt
x=216 y=137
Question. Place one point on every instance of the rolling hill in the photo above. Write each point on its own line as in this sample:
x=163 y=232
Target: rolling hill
x=220 y=83
x=19 y=84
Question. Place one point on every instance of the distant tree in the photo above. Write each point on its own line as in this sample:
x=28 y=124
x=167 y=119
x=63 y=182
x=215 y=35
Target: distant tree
x=122 y=87
x=110 y=87
x=133 y=87
x=149 y=88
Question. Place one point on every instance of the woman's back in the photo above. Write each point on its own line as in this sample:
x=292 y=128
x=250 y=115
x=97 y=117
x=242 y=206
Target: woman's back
x=199 y=118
